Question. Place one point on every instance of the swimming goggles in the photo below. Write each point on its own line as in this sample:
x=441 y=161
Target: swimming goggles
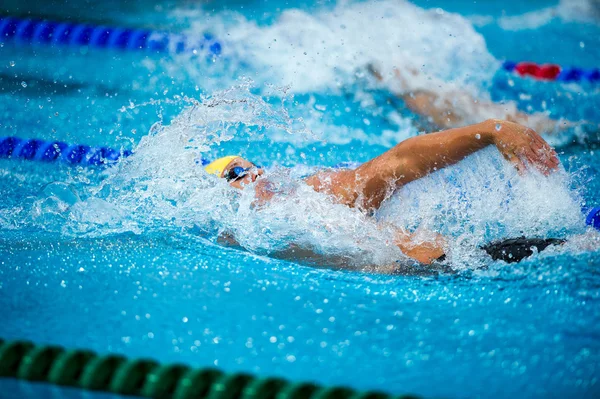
x=237 y=173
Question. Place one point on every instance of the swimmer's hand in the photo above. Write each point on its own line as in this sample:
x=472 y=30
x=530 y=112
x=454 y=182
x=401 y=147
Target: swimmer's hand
x=424 y=252
x=522 y=146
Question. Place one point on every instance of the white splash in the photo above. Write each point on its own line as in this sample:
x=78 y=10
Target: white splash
x=162 y=188
x=325 y=49
x=581 y=11
x=483 y=198
x=328 y=50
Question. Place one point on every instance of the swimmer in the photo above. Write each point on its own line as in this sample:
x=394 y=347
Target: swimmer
x=449 y=107
x=372 y=183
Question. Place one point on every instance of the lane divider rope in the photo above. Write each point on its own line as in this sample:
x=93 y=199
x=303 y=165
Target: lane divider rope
x=56 y=151
x=552 y=72
x=147 y=378
x=54 y=33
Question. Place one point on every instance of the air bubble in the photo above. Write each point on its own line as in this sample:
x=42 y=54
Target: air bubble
x=24 y=84
x=478 y=136
x=498 y=127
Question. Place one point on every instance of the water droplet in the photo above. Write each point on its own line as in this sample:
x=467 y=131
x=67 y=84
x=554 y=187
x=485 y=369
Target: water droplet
x=23 y=84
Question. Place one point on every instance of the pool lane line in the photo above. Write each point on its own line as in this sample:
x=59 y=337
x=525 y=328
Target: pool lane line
x=552 y=72
x=55 y=33
x=147 y=378
x=58 y=151
x=79 y=154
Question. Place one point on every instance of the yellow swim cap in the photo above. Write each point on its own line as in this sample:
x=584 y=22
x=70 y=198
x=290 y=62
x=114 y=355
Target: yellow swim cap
x=217 y=166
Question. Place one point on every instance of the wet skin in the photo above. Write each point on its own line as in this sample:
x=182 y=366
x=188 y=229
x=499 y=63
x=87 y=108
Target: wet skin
x=369 y=185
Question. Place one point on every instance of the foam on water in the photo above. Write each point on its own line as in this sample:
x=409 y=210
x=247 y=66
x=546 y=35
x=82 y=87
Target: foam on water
x=483 y=199
x=581 y=11
x=328 y=49
x=151 y=191
x=163 y=188
x=324 y=49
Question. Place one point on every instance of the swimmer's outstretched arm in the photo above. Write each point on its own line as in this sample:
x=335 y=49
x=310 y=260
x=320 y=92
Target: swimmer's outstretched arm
x=443 y=113
x=440 y=109
x=421 y=155
x=367 y=186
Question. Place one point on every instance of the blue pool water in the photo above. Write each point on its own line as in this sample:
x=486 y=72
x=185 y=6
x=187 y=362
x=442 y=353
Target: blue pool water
x=125 y=260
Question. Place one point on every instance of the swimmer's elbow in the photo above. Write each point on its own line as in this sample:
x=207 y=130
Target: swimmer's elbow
x=412 y=169
x=409 y=160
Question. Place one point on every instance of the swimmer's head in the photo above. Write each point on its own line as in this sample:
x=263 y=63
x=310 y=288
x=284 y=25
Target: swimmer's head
x=235 y=169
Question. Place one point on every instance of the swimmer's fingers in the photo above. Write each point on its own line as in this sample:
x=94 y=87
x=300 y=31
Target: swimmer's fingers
x=533 y=158
x=543 y=159
x=547 y=157
x=517 y=161
x=541 y=154
x=545 y=147
x=552 y=159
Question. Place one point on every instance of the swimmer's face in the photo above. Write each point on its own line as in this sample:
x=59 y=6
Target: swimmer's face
x=241 y=172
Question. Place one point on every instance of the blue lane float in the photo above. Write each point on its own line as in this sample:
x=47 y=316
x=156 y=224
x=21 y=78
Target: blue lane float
x=54 y=33
x=593 y=217
x=85 y=155
x=58 y=151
